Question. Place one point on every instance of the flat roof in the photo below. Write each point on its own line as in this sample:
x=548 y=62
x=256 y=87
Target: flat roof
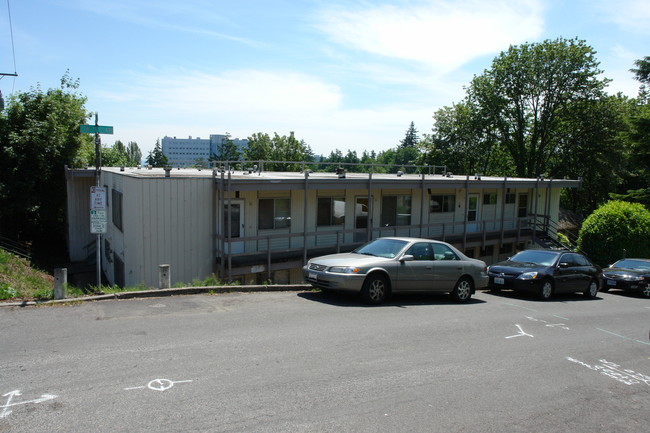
x=249 y=180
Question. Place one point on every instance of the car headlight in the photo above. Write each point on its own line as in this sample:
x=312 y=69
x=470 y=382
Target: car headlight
x=527 y=276
x=344 y=270
x=633 y=277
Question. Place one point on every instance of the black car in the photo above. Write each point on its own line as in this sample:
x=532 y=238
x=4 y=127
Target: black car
x=628 y=274
x=546 y=272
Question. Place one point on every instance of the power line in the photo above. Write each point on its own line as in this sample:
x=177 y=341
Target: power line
x=11 y=32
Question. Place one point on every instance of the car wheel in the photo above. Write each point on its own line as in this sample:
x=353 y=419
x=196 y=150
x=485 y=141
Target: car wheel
x=646 y=291
x=546 y=291
x=375 y=289
x=463 y=290
x=592 y=290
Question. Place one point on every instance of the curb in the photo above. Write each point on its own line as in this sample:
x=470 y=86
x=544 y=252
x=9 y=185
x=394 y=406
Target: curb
x=166 y=292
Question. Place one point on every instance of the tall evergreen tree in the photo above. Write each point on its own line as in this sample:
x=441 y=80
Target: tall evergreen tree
x=411 y=139
x=156 y=157
x=133 y=153
x=226 y=150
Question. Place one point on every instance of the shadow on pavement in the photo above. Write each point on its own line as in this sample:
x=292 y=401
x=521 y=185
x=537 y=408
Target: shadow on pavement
x=402 y=300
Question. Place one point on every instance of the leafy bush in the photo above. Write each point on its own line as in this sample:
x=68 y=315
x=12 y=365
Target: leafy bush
x=7 y=292
x=614 y=227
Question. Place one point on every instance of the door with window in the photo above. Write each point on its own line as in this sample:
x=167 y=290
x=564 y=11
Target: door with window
x=361 y=218
x=472 y=213
x=233 y=223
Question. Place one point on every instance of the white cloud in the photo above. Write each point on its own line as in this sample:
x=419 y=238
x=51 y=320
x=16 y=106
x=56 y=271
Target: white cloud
x=631 y=15
x=441 y=34
x=241 y=102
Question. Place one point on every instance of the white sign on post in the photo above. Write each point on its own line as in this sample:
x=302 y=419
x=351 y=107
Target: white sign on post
x=98 y=216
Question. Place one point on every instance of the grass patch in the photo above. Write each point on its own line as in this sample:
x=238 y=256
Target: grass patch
x=20 y=281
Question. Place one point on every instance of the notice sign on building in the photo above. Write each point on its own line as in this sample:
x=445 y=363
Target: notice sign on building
x=98 y=215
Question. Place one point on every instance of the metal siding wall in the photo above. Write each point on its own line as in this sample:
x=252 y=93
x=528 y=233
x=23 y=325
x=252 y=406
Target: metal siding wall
x=178 y=215
x=78 y=207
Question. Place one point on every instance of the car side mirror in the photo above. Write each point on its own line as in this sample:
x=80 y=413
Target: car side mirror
x=564 y=265
x=407 y=258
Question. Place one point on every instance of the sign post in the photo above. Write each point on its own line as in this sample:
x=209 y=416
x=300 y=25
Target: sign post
x=98 y=217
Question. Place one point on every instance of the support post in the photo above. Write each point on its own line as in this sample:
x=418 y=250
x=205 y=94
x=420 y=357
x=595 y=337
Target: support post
x=164 y=277
x=60 y=282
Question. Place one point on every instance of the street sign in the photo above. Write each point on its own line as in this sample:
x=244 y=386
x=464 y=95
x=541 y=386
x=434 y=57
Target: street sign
x=98 y=221
x=96 y=129
x=98 y=198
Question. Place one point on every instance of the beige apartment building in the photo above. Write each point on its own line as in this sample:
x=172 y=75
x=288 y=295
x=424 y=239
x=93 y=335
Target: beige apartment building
x=255 y=226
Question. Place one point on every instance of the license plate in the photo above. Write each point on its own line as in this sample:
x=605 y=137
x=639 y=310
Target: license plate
x=498 y=280
x=611 y=282
x=312 y=276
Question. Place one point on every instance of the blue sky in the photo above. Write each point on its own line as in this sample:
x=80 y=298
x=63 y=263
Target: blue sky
x=340 y=74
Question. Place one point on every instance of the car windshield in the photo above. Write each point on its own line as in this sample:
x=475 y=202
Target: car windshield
x=388 y=248
x=632 y=264
x=543 y=258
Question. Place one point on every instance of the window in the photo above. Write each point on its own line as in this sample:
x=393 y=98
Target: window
x=490 y=198
x=442 y=203
x=511 y=198
x=443 y=252
x=396 y=210
x=274 y=213
x=522 y=207
x=506 y=248
x=420 y=251
x=330 y=212
x=116 y=199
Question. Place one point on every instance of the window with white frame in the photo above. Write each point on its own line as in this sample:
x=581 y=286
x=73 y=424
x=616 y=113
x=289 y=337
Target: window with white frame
x=330 y=211
x=274 y=213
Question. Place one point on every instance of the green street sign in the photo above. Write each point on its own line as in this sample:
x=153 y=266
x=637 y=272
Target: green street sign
x=96 y=129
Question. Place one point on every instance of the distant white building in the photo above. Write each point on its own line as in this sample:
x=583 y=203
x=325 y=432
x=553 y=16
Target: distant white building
x=188 y=152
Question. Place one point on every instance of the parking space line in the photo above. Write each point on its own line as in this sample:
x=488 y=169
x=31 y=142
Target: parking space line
x=623 y=337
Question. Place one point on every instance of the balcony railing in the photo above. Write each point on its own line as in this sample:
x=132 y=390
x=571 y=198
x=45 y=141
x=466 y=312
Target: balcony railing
x=253 y=254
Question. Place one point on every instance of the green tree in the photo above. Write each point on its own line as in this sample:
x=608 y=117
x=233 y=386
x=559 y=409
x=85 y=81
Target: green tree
x=527 y=91
x=635 y=185
x=39 y=135
x=226 y=150
x=114 y=156
x=134 y=154
x=411 y=139
x=462 y=140
x=591 y=141
x=261 y=147
x=258 y=148
x=615 y=229
x=156 y=157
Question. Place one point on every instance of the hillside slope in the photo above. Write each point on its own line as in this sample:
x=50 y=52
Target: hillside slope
x=20 y=281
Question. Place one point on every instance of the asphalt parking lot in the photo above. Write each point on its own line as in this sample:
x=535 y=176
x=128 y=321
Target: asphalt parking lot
x=318 y=362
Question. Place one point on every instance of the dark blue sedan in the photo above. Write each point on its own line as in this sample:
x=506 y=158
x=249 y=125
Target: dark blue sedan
x=546 y=272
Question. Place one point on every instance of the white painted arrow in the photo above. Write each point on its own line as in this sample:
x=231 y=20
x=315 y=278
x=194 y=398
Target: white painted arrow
x=5 y=411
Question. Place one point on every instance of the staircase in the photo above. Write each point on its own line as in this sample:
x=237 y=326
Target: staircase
x=546 y=235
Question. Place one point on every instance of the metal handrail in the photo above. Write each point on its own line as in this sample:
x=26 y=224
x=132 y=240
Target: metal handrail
x=16 y=247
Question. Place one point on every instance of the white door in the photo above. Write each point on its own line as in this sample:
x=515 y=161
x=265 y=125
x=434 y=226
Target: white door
x=473 y=223
x=235 y=224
